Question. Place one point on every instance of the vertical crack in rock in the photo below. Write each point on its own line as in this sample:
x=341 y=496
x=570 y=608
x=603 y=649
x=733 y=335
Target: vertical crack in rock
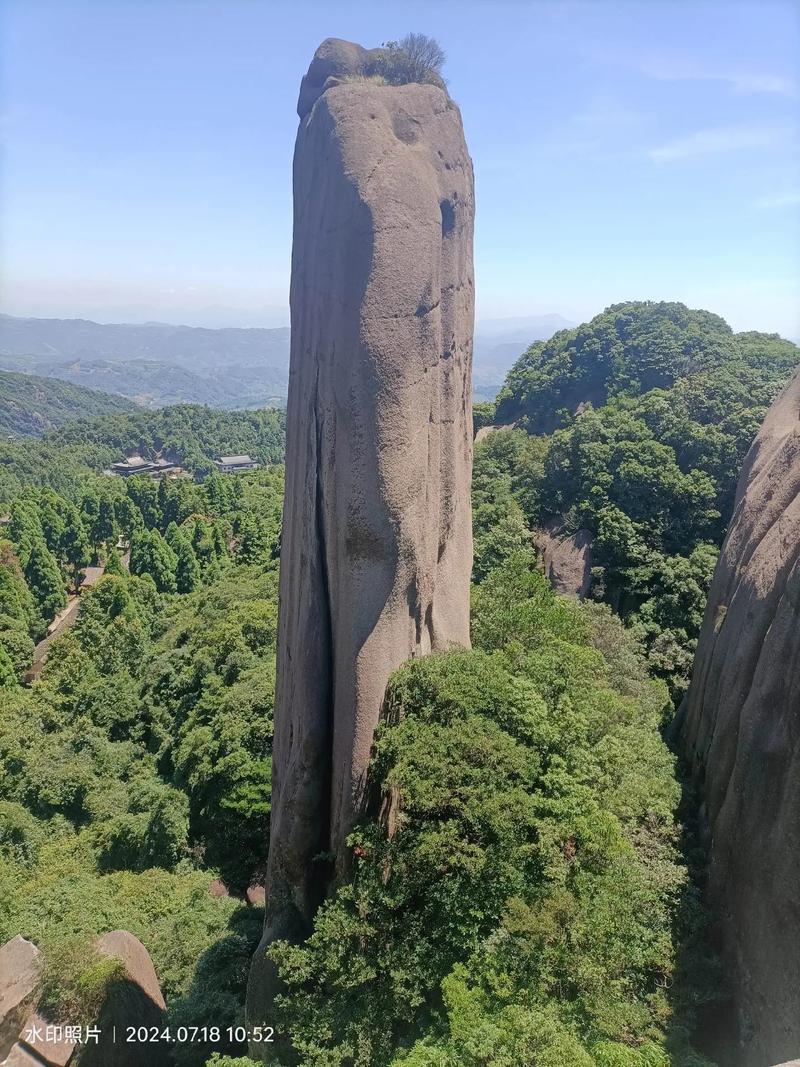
x=741 y=734
x=377 y=537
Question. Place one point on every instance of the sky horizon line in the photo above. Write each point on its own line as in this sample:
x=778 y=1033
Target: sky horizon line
x=496 y=323
x=623 y=149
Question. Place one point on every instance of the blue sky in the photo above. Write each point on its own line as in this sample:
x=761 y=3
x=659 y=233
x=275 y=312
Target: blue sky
x=636 y=150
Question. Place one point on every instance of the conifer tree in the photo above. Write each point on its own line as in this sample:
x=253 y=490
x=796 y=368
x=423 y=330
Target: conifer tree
x=44 y=581
x=187 y=571
x=75 y=550
x=114 y=564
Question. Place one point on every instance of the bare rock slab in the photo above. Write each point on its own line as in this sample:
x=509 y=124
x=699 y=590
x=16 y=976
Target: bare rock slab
x=741 y=735
x=20 y=963
x=566 y=557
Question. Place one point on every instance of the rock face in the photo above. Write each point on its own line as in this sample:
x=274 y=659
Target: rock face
x=741 y=734
x=377 y=540
x=566 y=557
x=135 y=1001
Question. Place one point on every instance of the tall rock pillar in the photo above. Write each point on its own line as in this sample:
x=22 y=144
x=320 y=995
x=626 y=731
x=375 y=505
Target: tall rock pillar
x=741 y=734
x=377 y=540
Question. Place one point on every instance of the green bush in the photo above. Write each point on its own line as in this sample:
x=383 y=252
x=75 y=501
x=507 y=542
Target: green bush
x=76 y=980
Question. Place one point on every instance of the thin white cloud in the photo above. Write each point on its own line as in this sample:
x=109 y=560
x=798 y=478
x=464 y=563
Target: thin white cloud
x=762 y=83
x=718 y=139
x=673 y=69
x=781 y=200
x=604 y=113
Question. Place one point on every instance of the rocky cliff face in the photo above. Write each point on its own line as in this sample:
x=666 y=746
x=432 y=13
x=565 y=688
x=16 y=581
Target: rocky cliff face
x=741 y=734
x=566 y=557
x=377 y=542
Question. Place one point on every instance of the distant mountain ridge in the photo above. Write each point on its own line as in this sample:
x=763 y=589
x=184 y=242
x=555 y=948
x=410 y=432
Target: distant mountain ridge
x=500 y=342
x=30 y=405
x=157 y=364
x=164 y=343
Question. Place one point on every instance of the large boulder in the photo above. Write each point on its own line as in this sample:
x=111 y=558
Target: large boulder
x=741 y=735
x=135 y=1000
x=29 y=1036
x=334 y=60
x=377 y=539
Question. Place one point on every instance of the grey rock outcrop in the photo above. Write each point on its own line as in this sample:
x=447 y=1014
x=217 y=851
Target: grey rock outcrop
x=377 y=539
x=28 y=1036
x=134 y=1001
x=741 y=735
x=566 y=557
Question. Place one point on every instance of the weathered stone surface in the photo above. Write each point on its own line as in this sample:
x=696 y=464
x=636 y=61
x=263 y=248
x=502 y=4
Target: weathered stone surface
x=20 y=1056
x=377 y=540
x=138 y=965
x=51 y=1050
x=19 y=986
x=256 y=895
x=741 y=734
x=566 y=557
x=487 y=431
x=28 y=1035
x=334 y=59
x=135 y=1001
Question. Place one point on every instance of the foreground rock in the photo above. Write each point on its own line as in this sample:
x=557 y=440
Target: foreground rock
x=29 y=1036
x=20 y=963
x=377 y=543
x=741 y=733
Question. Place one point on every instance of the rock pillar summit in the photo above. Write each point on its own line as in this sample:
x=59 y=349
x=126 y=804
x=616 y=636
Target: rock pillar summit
x=741 y=734
x=377 y=542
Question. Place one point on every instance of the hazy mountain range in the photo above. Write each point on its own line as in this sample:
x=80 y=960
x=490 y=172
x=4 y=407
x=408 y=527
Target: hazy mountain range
x=155 y=364
x=498 y=343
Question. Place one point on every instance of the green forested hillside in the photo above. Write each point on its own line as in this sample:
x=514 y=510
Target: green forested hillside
x=187 y=434
x=30 y=406
x=137 y=766
x=631 y=349
x=531 y=895
x=640 y=421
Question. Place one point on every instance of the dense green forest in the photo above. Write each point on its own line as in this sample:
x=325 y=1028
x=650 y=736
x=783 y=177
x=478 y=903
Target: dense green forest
x=530 y=891
x=634 y=427
x=29 y=406
x=137 y=768
x=187 y=434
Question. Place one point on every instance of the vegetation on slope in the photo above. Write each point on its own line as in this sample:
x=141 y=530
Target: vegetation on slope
x=137 y=767
x=30 y=406
x=522 y=894
x=640 y=422
x=190 y=435
x=522 y=898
